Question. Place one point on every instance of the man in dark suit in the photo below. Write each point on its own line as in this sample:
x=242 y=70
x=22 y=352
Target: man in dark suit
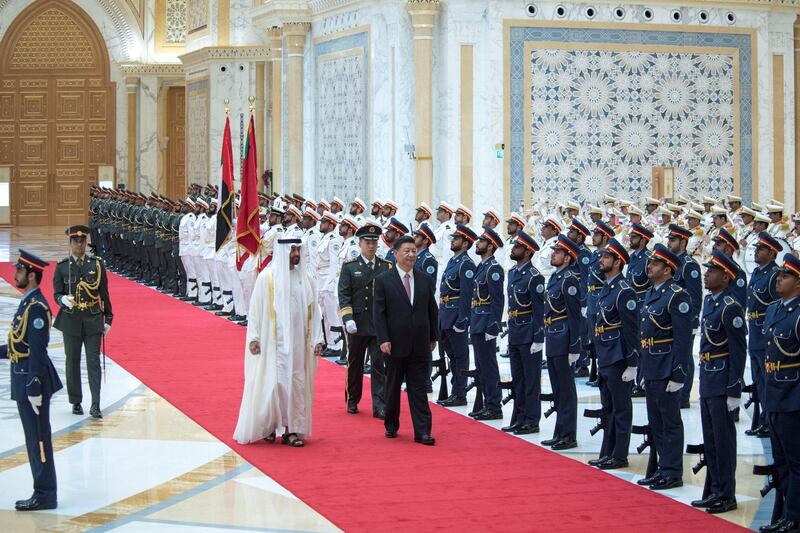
x=406 y=318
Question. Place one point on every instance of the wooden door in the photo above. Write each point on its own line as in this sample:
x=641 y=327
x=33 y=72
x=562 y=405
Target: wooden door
x=176 y=148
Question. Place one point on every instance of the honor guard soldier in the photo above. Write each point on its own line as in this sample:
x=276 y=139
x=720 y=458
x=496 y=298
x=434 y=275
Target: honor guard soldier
x=577 y=232
x=726 y=243
x=687 y=276
x=423 y=240
x=665 y=352
x=723 y=350
x=356 y=283
x=562 y=317
x=782 y=369
x=761 y=293
x=455 y=299
x=33 y=380
x=484 y=322
x=525 y=335
x=80 y=287
x=600 y=236
x=616 y=341
x=636 y=274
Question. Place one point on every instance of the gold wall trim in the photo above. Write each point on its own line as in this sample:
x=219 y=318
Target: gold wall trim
x=750 y=32
x=160 y=44
x=224 y=22
x=467 y=123
x=778 y=127
x=340 y=34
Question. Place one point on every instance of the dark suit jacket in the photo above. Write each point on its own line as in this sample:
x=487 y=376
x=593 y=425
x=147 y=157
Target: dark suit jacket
x=410 y=329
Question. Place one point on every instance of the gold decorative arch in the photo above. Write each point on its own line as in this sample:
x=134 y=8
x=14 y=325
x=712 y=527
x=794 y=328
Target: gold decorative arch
x=57 y=112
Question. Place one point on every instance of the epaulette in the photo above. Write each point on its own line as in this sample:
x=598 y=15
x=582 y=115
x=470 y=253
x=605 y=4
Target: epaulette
x=675 y=287
x=64 y=260
x=569 y=273
x=351 y=260
x=623 y=283
x=728 y=300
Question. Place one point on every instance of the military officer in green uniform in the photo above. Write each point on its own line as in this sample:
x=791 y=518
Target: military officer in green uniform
x=80 y=287
x=356 y=288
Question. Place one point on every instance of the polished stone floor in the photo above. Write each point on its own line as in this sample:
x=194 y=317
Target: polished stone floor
x=147 y=467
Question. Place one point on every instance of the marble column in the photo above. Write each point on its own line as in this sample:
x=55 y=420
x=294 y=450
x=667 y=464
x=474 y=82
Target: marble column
x=259 y=112
x=131 y=85
x=423 y=16
x=295 y=42
x=275 y=104
x=797 y=108
x=147 y=152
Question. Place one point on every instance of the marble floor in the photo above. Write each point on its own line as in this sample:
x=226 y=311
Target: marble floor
x=147 y=467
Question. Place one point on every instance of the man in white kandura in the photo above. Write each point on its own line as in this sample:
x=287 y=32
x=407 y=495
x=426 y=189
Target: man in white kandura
x=284 y=337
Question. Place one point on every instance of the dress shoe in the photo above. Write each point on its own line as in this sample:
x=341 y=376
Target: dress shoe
x=367 y=369
x=243 y=322
x=708 y=501
x=34 y=504
x=649 y=480
x=236 y=318
x=637 y=392
x=510 y=428
x=685 y=404
x=352 y=408
x=526 y=429
x=722 y=506
x=593 y=383
x=223 y=313
x=77 y=409
x=581 y=372
x=564 y=444
x=94 y=411
x=453 y=401
x=549 y=442
x=666 y=483
x=489 y=414
x=598 y=461
x=427 y=440
x=753 y=432
x=341 y=362
x=773 y=527
x=789 y=526
x=613 y=463
x=379 y=414
x=390 y=434
x=763 y=433
x=473 y=414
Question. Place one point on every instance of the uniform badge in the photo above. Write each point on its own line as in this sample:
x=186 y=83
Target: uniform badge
x=740 y=283
x=631 y=305
x=540 y=288
x=695 y=273
x=495 y=277
x=336 y=247
x=572 y=291
x=683 y=308
x=585 y=260
x=738 y=322
x=38 y=323
x=430 y=269
x=469 y=274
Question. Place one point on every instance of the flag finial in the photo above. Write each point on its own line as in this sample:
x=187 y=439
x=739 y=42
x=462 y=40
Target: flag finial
x=227 y=109
x=252 y=101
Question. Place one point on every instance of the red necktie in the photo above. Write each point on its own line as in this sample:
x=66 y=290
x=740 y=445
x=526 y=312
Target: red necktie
x=407 y=284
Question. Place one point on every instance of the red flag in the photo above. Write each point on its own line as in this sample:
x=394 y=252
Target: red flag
x=225 y=213
x=248 y=228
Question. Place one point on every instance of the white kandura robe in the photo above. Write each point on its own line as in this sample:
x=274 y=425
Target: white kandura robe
x=279 y=383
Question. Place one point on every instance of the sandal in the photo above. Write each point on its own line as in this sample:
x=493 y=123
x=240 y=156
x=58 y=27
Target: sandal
x=293 y=440
x=270 y=438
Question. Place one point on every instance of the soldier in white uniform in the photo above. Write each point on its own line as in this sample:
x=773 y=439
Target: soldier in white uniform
x=651 y=218
x=185 y=250
x=441 y=250
x=389 y=211
x=199 y=249
x=311 y=237
x=357 y=210
x=327 y=275
x=779 y=224
x=337 y=208
x=350 y=249
x=514 y=225
x=422 y=214
x=550 y=230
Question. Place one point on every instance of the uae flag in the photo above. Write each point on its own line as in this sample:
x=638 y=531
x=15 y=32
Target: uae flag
x=248 y=228
x=225 y=213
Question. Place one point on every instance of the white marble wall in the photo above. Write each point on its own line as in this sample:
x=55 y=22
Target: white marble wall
x=148 y=154
x=310 y=175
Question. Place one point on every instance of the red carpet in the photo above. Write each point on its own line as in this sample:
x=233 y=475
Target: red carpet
x=475 y=478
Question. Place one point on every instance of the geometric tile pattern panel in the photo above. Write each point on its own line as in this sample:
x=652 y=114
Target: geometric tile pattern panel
x=176 y=21
x=601 y=119
x=712 y=134
x=197 y=131
x=342 y=116
x=53 y=41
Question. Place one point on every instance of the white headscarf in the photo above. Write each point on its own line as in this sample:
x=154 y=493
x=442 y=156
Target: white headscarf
x=280 y=266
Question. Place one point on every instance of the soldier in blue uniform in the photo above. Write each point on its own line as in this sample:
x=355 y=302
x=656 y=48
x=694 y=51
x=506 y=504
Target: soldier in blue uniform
x=687 y=276
x=727 y=244
x=723 y=350
x=455 y=299
x=782 y=369
x=761 y=293
x=394 y=229
x=33 y=380
x=562 y=317
x=636 y=274
x=525 y=335
x=426 y=262
x=577 y=232
x=484 y=322
x=664 y=354
x=616 y=340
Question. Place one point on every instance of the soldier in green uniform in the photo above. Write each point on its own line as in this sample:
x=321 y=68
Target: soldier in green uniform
x=356 y=287
x=80 y=287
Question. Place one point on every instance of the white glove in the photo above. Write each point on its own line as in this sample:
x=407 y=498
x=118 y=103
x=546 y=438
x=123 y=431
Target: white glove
x=106 y=328
x=673 y=386
x=67 y=302
x=695 y=331
x=490 y=337
x=458 y=330
x=537 y=347
x=36 y=403
x=629 y=374
x=583 y=312
x=573 y=358
x=350 y=327
x=732 y=402
x=641 y=384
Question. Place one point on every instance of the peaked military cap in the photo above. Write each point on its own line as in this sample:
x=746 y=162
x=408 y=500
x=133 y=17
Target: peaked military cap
x=679 y=231
x=615 y=248
x=465 y=232
x=370 y=231
x=568 y=245
x=723 y=262
x=398 y=226
x=31 y=262
x=425 y=230
x=490 y=235
x=524 y=239
x=727 y=238
x=77 y=231
x=663 y=254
